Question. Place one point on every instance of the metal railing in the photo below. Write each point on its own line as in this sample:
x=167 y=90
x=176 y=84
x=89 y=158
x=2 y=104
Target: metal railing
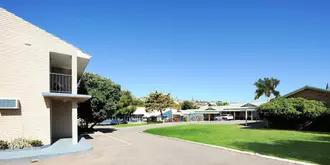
x=60 y=83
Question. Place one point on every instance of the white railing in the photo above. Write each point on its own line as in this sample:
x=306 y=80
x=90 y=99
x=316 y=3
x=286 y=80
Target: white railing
x=60 y=83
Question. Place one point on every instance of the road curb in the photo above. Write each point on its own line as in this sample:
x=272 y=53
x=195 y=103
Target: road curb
x=234 y=150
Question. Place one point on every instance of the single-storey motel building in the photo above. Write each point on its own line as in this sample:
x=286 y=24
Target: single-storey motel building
x=38 y=82
x=240 y=111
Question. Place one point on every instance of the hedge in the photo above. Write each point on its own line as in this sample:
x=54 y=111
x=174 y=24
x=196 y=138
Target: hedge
x=294 y=113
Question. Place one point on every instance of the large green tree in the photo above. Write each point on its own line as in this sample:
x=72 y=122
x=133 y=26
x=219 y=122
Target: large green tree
x=103 y=104
x=158 y=101
x=188 y=105
x=126 y=105
x=267 y=87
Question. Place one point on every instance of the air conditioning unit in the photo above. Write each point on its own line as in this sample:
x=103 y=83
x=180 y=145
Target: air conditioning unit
x=6 y=103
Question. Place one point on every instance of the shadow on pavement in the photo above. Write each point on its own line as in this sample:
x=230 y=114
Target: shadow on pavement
x=105 y=130
x=87 y=137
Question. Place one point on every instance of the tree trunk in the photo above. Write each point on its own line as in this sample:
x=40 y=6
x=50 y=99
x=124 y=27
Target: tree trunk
x=161 y=114
x=302 y=126
x=86 y=124
x=92 y=126
x=268 y=98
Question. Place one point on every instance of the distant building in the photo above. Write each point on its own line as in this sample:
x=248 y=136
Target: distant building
x=202 y=104
x=212 y=104
x=140 y=114
x=240 y=111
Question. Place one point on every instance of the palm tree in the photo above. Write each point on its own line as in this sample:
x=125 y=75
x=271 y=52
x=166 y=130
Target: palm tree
x=267 y=87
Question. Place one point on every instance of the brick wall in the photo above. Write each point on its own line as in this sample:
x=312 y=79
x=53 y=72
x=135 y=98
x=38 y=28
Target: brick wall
x=314 y=95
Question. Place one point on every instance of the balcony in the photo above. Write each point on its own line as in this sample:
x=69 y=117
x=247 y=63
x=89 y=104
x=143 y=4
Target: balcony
x=60 y=83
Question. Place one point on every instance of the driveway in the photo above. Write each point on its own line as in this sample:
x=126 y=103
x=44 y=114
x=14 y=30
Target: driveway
x=131 y=146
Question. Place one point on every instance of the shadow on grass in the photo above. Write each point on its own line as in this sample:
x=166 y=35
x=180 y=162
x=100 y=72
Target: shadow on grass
x=323 y=138
x=255 y=125
x=315 y=152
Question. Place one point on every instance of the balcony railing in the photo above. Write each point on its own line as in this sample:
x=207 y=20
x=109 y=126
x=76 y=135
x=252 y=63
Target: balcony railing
x=60 y=83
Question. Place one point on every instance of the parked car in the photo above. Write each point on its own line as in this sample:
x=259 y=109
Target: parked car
x=118 y=121
x=145 y=119
x=218 y=118
x=227 y=117
x=114 y=122
x=134 y=120
x=123 y=121
x=224 y=117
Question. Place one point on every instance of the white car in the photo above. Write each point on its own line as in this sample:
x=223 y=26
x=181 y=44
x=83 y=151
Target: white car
x=218 y=118
x=227 y=117
x=224 y=117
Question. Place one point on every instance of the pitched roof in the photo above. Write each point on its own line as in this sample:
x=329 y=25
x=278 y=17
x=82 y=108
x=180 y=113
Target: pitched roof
x=307 y=87
x=43 y=33
x=140 y=111
x=238 y=105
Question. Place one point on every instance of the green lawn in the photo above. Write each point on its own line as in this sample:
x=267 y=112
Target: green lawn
x=304 y=146
x=132 y=125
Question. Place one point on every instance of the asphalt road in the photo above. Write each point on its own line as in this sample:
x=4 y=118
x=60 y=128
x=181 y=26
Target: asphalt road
x=128 y=146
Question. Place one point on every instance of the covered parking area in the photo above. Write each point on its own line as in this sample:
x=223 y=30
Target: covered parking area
x=240 y=111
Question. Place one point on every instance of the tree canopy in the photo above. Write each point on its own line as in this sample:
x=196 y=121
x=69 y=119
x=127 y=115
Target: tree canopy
x=221 y=103
x=189 y=105
x=158 y=101
x=103 y=104
x=125 y=105
x=267 y=87
x=176 y=106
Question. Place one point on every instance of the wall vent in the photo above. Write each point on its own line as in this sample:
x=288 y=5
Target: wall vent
x=8 y=103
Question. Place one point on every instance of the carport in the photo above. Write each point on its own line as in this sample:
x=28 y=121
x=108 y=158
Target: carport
x=240 y=111
x=208 y=113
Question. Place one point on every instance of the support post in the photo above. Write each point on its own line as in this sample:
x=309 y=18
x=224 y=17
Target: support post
x=234 y=116
x=209 y=117
x=74 y=71
x=74 y=123
x=251 y=115
x=245 y=117
x=74 y=81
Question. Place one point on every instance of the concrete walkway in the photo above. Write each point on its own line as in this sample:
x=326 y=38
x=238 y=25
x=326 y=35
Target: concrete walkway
x=130 y=146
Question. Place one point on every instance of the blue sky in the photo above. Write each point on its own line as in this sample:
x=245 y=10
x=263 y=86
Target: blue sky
x=208 y=50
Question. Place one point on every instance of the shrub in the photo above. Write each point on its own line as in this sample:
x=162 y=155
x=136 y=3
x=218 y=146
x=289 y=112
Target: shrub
x=19 y=143
x=36 y=143
x=186 y=118
x=322 y=123
x=177 y=119
x=291 y=113
x=3 y=145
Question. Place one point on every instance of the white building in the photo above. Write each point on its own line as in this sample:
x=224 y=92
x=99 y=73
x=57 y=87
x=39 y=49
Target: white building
x=38 y=82
x=241 y=110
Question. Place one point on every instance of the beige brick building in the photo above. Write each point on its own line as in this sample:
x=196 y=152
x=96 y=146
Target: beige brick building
x=311 y=93
x=38 y=76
